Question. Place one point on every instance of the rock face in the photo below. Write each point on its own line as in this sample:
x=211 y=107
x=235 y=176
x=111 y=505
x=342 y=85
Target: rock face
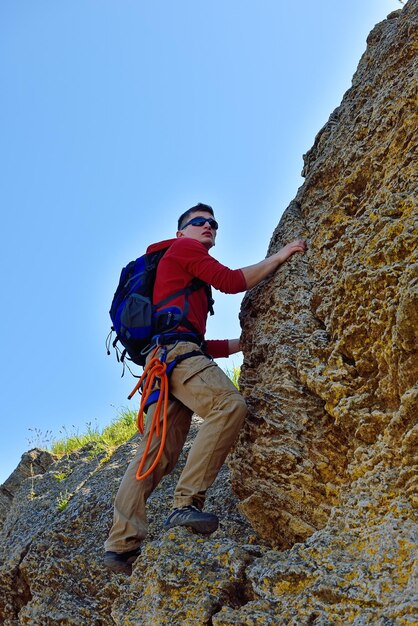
x=325 y=467
x=32 y=464
x=331 y=351
x=330 y=341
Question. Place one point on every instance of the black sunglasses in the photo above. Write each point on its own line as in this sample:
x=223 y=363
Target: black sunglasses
x=200 y=221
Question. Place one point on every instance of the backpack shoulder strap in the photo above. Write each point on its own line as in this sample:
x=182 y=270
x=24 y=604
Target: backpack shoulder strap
x=196 y=284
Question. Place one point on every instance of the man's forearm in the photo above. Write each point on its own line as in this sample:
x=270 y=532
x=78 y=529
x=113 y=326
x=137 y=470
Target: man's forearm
x=254 y=274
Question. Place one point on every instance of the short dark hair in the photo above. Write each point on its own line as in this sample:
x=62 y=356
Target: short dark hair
x=184 y=217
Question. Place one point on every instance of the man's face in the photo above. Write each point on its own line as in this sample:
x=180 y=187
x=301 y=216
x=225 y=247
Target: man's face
x=205 y=233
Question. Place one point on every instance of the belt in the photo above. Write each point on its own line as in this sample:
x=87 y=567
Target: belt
x=167 y=338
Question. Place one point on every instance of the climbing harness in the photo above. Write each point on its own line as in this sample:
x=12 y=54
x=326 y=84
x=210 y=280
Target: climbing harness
x=157 y=369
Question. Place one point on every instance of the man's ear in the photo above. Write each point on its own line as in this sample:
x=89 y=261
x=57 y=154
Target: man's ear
x=179 y=234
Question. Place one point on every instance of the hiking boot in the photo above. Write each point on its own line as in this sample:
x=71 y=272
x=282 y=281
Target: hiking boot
x=191 y=516
x=121 y=562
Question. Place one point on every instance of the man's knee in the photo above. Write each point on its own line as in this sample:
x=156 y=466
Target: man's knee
x=235 y=407
x=241 y=408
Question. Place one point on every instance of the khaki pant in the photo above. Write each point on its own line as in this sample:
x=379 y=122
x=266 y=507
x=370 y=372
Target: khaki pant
x=198 y=386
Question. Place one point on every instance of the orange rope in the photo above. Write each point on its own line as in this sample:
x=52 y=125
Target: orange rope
x=154 y=369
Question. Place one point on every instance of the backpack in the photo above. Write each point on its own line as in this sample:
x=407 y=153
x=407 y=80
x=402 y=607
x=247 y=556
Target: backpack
x=135 y=318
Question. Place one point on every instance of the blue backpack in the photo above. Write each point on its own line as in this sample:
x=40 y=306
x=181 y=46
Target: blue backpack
x=135 y=319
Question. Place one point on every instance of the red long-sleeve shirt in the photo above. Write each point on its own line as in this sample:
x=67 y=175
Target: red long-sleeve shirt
x=186 y=259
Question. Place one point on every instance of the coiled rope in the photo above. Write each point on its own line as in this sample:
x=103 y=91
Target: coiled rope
x=156 y=369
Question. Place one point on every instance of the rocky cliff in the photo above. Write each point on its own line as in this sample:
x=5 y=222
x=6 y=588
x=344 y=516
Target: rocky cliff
x=331 y=355
x=325 y=529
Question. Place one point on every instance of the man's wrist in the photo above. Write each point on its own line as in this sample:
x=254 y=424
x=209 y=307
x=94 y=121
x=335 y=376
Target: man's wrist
x=234 y=345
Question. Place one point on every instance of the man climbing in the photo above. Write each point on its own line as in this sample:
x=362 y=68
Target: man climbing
x=197 y=385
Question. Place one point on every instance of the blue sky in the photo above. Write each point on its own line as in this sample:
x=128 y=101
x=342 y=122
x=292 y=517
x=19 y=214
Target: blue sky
x=116 y=116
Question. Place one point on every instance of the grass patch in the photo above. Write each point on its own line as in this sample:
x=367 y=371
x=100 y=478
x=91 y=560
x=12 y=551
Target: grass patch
x=63 y=500
x=122 y=428
x=233 y=373
x=60 y=476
